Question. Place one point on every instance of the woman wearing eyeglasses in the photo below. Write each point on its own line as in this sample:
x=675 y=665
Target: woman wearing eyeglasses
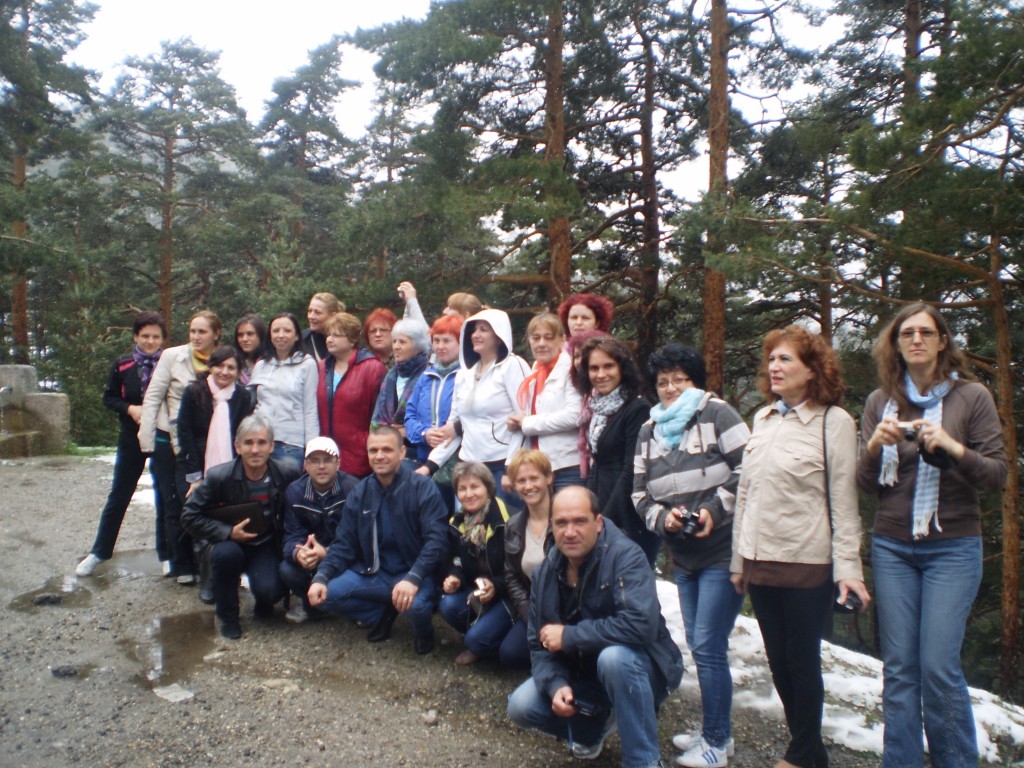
x=931 y=440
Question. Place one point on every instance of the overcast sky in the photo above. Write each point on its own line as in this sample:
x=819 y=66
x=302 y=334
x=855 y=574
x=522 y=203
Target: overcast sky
x=259 y=41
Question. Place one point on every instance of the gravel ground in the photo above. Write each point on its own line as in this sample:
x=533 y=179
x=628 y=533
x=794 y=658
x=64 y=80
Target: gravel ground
x=90 y=668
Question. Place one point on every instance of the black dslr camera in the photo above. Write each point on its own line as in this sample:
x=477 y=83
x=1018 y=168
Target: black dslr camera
x=690 y=522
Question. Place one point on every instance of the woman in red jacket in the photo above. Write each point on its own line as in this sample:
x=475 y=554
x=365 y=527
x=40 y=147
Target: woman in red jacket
x=350 y=379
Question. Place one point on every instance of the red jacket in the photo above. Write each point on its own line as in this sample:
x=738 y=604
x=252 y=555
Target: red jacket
x=346 y=418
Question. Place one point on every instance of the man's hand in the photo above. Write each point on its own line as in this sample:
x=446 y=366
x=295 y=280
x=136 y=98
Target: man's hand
x=551 y=637
x=403 y=594
x=562 y=703
x=317 y=594
x=310 y=554
x=239 y=534
x=451 y=585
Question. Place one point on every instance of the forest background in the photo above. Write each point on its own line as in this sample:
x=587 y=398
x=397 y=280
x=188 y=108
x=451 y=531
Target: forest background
x=523 y=150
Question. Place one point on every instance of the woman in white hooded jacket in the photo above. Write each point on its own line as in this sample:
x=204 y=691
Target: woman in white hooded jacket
x=486 y=389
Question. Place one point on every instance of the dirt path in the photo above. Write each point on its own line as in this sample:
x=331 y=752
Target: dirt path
x=87 y=666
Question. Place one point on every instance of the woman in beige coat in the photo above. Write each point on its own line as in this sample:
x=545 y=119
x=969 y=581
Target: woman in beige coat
x=790 y=541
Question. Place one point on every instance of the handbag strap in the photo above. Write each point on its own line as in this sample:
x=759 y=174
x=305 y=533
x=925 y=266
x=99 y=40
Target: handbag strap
x=824 y=451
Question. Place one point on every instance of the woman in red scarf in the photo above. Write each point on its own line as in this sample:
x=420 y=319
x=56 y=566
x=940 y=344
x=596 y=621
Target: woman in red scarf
x=549 y=404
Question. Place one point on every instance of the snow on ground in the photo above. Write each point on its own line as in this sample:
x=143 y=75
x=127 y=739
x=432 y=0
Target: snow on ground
x=853 y=688
x=853 y=681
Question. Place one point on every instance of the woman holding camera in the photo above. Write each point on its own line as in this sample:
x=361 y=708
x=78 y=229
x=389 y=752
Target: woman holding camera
x=932 y=440
x=686 y=471
x=796 y=527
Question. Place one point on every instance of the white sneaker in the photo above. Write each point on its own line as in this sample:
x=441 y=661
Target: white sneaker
x=296 y=614
x=703 y=755
x=88 y=565
x=684 y=742
x=592 y=752
x=165 y=567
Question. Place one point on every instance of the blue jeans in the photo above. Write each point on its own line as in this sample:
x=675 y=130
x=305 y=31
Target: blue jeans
x=924 y=591
x=515 y=648
x=363 y=597
x=710 y=606
x=288 y=455
x=128 y=468
x=567 y=476
x=484 y=635
x=627 y=681
x=229 y=560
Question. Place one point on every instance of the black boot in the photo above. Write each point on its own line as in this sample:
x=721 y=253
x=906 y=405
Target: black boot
x=382 y=629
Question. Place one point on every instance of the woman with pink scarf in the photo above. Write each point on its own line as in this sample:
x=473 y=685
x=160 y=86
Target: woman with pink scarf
x=211 y=409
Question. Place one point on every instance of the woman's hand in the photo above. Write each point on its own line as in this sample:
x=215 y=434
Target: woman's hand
x=506 y=484
x=434 y=436
x=487 y=587
x=858 y=588
x=406 y=290
x=737 y=583
x=707 y=523
x=447 y=432
x=451 y=585
x=135 y=413
x=515 y=422
x=886 y=433
x=192 y=487
x=933 y=436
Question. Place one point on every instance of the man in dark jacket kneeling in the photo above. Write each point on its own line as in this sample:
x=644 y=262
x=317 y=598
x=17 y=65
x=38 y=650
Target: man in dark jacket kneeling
x=392 y=538
x=252 y=544
x=601 y=654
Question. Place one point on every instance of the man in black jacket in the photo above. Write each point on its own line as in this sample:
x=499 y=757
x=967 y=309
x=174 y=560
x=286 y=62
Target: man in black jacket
x=600 y=651
x=244 y=546
x=313 y=509
x=392 y=538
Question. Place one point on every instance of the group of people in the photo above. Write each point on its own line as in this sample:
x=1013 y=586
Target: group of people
x=389 y=468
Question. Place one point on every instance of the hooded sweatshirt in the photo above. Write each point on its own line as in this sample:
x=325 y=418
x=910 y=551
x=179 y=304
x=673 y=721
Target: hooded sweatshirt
x=482 y=402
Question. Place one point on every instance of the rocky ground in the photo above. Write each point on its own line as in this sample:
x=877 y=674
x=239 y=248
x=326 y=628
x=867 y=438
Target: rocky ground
x=125 y=668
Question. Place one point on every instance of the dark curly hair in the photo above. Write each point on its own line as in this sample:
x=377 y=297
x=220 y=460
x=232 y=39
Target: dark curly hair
x=618 y=352
x=827 y=386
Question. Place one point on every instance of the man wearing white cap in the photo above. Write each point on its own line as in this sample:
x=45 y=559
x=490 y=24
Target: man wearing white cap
x=312 y=511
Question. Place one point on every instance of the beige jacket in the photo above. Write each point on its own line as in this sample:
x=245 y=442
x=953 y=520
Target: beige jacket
x=160 y=406
x=781 y=514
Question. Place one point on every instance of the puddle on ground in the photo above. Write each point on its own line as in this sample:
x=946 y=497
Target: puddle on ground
x=63 y=591
x=173 y=648
x=127 y=565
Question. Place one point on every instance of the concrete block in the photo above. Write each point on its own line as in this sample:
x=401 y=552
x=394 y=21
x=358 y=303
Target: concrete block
x=49 y=413
x=21 y=378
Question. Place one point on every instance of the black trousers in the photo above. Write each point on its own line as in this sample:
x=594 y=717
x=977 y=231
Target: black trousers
x=792 y=622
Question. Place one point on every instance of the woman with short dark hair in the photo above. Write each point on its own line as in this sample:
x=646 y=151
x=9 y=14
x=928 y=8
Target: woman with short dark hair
x=687 y=468
x=931 y=441
x=126 y=386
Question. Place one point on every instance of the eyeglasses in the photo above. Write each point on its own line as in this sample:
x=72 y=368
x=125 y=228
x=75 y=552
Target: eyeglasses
x=926 y=333
x=678 y=381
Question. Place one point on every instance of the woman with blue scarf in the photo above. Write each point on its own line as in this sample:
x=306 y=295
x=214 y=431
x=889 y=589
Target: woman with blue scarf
x=931 y=441
x=686 y=471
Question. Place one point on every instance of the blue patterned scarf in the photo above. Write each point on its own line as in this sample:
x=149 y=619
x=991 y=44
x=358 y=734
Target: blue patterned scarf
x=670 y=422
x=926 y=488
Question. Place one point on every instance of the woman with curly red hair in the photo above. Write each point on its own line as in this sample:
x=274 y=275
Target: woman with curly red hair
x=796 y=527
x=586 y=312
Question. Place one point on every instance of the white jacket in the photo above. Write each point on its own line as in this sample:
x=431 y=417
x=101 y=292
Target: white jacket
x=482 y=407
x=556 y=421
x=172 y=374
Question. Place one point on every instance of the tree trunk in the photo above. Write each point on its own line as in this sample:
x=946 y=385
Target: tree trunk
x=19 y=294
x=650 y=255
x=559 y=238
x=714 y=280
x=166 y=247
x=1010 y=639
